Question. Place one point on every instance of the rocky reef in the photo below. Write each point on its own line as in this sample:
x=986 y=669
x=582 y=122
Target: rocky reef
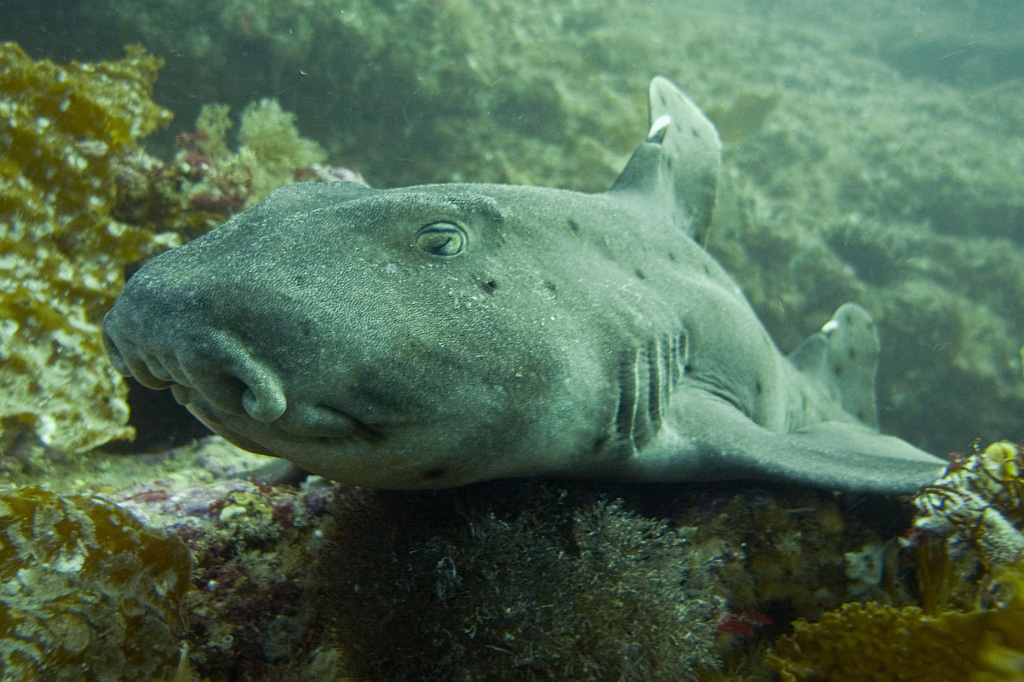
x=508 y=580
x=81 y=202
x=863 y=161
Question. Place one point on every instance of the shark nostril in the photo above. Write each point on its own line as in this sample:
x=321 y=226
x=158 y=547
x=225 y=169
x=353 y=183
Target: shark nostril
x=220 y=389
x=264 y=403
x=262 y=394
x=158 y=369
x=146 y=372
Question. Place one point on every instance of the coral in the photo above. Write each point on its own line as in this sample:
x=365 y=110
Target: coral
x=62 y=252
x=968 y=523
x=86 y=592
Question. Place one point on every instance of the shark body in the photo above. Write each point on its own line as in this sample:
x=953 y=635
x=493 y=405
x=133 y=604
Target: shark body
x=438 y=335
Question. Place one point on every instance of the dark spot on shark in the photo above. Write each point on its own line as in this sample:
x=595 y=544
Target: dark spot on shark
x=639 y=274
x=489 y=286
x=853 y=354
x=550 y=286
x=573 y=225
x=672 y=257
x=837 y=370
x=759 y=388
x=434 y=473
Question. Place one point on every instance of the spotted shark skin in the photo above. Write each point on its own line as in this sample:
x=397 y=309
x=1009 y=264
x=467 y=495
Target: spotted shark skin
x=438 y=335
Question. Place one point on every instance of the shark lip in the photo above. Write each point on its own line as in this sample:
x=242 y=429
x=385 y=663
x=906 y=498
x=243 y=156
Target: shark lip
x=317 y=423
x=356 y=430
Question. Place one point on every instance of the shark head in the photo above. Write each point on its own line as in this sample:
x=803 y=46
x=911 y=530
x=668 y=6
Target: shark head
x=390 y=338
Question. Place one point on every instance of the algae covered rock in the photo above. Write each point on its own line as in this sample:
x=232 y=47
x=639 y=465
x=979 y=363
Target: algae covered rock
x=524 y=583
x=61 y=253
x=86 y=591
x=970 y=553
x=882 y=643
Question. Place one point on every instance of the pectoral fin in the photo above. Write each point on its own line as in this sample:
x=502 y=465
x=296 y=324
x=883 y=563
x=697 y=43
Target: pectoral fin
x=713 y=440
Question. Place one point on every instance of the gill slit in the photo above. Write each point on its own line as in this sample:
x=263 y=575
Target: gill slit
x=647 y=379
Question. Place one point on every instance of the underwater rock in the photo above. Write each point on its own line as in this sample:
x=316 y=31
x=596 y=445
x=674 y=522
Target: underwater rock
x=85 y=587
x=62 y=252
x=478 y=91
x=253 y=547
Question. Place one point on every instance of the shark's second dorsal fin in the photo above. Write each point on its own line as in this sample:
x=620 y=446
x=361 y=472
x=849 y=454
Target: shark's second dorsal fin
x=676 y=167
x=841 y=360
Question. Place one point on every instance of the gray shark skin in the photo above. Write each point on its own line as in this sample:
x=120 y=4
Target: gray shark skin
x=438 y=335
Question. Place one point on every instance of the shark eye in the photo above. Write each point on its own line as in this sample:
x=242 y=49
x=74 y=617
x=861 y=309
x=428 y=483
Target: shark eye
x=441 y=239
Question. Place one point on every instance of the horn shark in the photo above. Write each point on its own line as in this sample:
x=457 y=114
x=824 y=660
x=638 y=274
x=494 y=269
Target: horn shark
x=438 y=335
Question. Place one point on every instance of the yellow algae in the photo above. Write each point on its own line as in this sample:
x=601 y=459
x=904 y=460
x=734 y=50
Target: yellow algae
x=84 y=586
x=61 y=253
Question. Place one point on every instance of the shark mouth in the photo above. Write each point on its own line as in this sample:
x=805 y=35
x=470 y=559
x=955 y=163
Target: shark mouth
x=318 y=424
x=238 y=396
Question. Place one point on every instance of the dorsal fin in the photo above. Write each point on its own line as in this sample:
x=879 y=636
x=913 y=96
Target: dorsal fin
x=676 y=167
x=841 y=360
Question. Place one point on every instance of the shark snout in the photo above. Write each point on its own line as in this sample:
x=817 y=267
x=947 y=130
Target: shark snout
x=229 y=380
x=218 y=378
